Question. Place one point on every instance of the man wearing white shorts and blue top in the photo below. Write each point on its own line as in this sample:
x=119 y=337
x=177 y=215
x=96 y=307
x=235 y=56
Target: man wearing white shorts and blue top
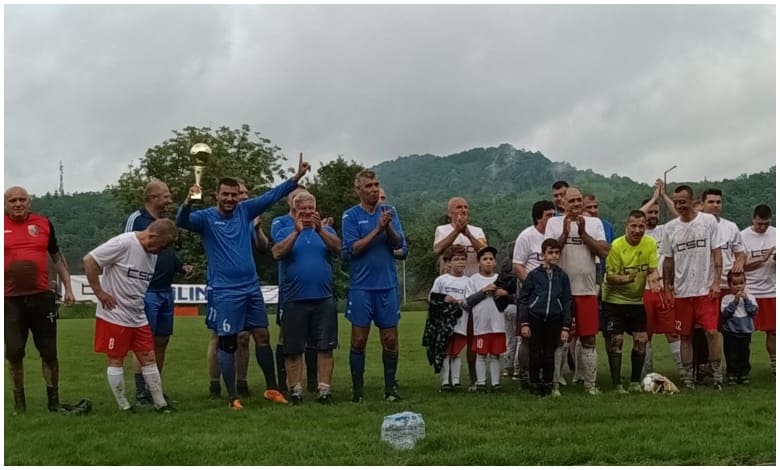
x=309 y=310
x=236 y=301
x=370 y=234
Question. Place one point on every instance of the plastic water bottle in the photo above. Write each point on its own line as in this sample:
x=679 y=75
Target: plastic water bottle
x=403 y=430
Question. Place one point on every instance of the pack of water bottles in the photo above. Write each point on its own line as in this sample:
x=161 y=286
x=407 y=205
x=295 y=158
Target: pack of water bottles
x=403 y=430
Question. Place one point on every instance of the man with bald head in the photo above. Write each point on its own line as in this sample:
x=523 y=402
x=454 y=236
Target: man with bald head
x=29 y=303
x=158 y=301
x=460 y=232
x=583 y=239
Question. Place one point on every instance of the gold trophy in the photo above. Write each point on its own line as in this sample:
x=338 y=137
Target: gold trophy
x=200 y=154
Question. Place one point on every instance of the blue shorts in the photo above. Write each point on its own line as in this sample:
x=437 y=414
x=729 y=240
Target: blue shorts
x=159 y=312
x=231 y=311
x=381 y=306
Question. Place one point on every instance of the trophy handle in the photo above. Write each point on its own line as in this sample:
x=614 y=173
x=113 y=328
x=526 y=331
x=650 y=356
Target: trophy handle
x=198 y=172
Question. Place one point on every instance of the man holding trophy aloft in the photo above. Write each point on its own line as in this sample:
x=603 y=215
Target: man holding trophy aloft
x=234 y=295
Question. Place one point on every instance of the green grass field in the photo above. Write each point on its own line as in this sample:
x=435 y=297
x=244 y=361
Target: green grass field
x=736 y=426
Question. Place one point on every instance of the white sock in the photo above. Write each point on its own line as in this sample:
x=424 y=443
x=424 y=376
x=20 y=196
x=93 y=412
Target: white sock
x=481 y=372
x=116 y=381
x=589 y=366
x=455 y=370
x=674 y=348
x=558 y=370
x=495 y=369
x=649 y=365
x=445 y=370
x=154 y=384
x=578 y=365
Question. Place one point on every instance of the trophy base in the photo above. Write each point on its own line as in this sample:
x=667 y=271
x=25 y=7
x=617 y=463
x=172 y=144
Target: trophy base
x=197 y=197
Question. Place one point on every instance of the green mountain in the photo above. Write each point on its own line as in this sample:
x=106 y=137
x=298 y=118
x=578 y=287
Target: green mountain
x=502 y=183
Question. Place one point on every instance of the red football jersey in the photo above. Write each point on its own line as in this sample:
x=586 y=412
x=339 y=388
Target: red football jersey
x=26 y=246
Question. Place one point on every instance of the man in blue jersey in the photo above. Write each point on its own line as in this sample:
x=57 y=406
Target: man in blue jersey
x=309 y=319
x=280 y=225
x=236 y=301
x=259 y=245
x=158 y=301
x=370 y=234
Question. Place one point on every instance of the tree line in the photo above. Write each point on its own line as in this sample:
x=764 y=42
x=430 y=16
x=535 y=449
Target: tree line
x=501 y=184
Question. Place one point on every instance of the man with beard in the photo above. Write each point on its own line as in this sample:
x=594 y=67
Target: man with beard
x=660 y=314
x=235 y=299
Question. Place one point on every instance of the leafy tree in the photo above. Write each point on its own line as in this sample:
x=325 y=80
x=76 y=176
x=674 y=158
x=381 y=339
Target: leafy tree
x=235 y=152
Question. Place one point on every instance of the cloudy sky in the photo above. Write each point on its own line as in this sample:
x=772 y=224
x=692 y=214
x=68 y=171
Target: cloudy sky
x=631 y=90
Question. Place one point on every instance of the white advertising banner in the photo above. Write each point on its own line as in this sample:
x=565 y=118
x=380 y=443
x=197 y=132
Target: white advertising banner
x=182 y=293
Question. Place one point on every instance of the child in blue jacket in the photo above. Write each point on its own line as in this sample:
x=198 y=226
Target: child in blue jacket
x=544 y=309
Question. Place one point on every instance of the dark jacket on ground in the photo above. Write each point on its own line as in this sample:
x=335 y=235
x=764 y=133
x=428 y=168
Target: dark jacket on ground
x=545 y=296
x=442 y=317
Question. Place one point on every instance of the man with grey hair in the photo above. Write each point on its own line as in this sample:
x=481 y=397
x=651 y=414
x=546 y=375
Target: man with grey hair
x=29 y=303
x=370 y=234
x=309 y=319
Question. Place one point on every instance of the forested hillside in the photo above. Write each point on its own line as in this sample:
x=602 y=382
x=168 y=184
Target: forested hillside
x=501 y=184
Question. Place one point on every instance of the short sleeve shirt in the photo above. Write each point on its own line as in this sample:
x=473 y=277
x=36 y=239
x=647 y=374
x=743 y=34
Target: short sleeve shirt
x=624 y=258
x=454 y=286
x=691 y=244
x=127 y=270
x=760 y=282
x=528 y=248
x=576 y=258
x=472 y=264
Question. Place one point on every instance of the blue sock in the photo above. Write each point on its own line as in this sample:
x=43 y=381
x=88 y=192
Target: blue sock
x=227 y=366
x=265 y=358
x=357 y=365
x=390 y=362
x=140 y=385
x=281 y=371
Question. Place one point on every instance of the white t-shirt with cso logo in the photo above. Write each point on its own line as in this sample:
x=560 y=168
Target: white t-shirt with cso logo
x=127 y=270
x=576 y=260
x=691 y=244
x=528 y=248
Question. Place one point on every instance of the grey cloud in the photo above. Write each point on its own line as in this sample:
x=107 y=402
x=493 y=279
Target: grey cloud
x=624 y=89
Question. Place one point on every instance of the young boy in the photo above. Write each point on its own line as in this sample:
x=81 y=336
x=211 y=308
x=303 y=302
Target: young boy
x=737 y=310
x=452 y=285
x=544 y=309
x=489 y=336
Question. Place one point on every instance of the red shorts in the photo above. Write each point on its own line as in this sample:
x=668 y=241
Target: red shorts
x=117 y=340
x=660 y=315
x=491 y=343
x=455 y=344
x=766 y=318
x=586 y=313
x=701 y=309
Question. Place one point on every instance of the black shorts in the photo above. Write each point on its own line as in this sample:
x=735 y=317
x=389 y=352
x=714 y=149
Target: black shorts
x=25 y=313
x=620 y=318
x=311 y=324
